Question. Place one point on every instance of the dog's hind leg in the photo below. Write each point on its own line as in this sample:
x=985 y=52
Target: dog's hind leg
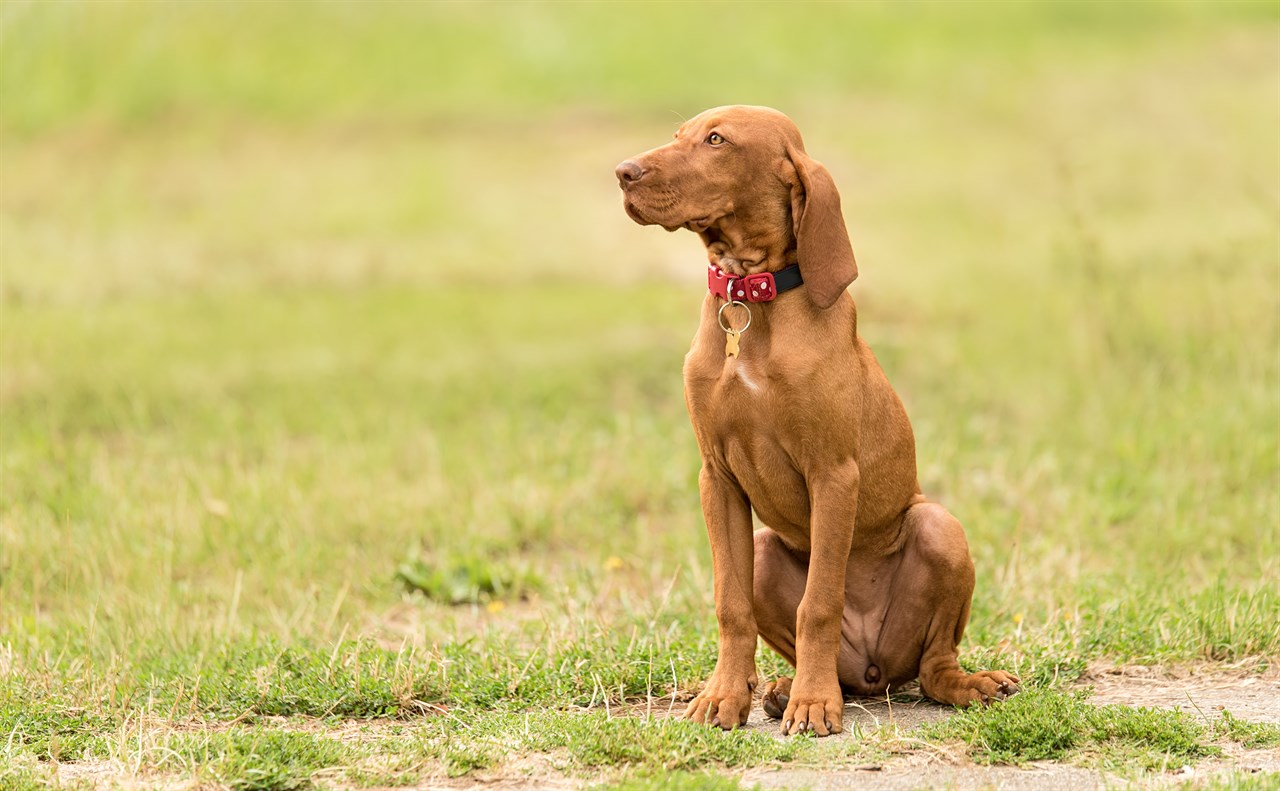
x=937 y=565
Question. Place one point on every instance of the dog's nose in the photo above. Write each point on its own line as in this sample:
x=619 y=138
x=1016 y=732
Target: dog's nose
x=628 y=172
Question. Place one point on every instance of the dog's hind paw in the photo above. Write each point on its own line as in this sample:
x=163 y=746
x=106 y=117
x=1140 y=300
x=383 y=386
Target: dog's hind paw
x=775 y=696
x=988 y=686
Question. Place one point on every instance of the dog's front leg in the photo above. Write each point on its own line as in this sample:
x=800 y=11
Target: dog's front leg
x=726 y=698
x=816 y=702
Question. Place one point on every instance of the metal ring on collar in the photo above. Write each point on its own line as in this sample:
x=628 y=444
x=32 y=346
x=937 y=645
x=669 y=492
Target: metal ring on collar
x=720 y=316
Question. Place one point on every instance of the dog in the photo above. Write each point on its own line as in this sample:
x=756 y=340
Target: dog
x=857 y=580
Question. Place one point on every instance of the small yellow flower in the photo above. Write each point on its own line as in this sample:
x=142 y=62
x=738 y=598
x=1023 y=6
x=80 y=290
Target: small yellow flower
x=496 y=606
x=1017 y=618
x=613 y=563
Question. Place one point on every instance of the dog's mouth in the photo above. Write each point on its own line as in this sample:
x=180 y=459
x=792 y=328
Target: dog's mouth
x=650 y=216
x=654 y=216
x=634 y=212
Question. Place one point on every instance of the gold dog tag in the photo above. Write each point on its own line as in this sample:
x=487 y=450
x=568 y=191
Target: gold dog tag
x=731 y=335
x=731 y=343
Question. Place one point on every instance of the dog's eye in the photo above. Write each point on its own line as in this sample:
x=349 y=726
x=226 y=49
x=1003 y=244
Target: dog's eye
x=715 y=139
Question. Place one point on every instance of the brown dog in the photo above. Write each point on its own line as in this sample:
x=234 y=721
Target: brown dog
x=858 y=581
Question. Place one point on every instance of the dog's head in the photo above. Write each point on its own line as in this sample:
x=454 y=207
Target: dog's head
x=739 y=177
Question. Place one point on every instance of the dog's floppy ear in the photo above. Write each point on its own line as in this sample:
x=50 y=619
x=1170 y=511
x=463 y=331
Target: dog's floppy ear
x=822 y=242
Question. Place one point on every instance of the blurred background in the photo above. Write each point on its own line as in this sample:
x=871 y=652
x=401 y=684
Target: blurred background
x=304 y=306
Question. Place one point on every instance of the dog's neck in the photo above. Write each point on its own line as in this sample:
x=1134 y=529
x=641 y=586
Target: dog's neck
x=745 y=243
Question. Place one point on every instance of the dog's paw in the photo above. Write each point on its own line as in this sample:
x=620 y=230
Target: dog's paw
x=724 y=702
x=774 y=697
x=812 y=708
x=991 y=685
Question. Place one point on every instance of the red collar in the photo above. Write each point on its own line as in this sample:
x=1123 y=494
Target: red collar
x=762 y=287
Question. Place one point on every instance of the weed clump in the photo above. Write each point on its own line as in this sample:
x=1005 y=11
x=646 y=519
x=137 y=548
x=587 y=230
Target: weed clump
x=1041 y=724
x=1253 y=735
x=468 y=579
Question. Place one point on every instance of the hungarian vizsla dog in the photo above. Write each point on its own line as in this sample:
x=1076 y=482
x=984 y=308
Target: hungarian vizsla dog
x=858 y=581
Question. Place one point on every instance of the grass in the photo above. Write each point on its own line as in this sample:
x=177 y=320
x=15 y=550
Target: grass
x=1252 y=735
x=265 y=760
x=464 y=579
x=669 y=781
x=143 y=62
x=1043 y=724
x=339 y=397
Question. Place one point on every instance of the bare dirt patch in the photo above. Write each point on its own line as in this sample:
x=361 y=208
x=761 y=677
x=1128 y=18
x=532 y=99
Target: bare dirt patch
x=1247 y=694
x=905 y=709
x=908 y=774
x=115 y=775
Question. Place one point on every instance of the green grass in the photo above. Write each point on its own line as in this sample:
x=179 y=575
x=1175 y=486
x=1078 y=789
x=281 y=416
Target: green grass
x=50 y=728
x=1040 y=725
x=1252 y=735
x=258 y=760
x=469 y=578
x=141 y=63
x=336 y=391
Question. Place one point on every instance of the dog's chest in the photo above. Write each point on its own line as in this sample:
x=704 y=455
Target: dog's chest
x=730 y=395
x=741 y=414
x=766 y=392
x=746 y=427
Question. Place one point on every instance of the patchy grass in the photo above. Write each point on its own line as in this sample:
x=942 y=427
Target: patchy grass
x=469 y=578
x=50 y=728
x=28 y=775
x=1252 y=735
x=257 y=759
x=1042 y=724
x=248 y=679
x=332 y=389
x=674 y=781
